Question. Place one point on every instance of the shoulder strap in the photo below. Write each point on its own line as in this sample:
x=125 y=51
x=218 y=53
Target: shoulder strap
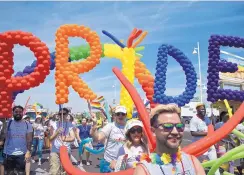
x=27 y=127
x=108 y=139
x=9 y=124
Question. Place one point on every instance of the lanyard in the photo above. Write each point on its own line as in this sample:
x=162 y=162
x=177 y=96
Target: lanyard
x=182 y=166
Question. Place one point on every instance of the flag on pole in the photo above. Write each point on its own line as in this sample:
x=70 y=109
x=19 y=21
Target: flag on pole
x=95 y=105
x=100 y=99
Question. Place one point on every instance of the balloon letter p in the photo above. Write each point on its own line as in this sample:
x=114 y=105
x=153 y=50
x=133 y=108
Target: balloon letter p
x=9 y=84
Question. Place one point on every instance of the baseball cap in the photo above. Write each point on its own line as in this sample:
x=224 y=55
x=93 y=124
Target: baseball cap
x=200 y=104
x=121 y=109
x=131 y=123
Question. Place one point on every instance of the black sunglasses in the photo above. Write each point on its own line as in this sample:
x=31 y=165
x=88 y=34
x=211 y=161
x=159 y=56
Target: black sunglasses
x=134 y=130
x=168 y=127
x=64 y=113
x=120 y=113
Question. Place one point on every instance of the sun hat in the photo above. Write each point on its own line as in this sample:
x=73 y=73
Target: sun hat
x=131 y=123
x=38 y=116
x=26 y=116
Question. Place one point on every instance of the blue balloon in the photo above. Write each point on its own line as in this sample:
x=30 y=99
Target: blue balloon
x=160 y=76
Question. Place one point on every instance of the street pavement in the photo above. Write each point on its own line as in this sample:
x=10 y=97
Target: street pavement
x=94 y=167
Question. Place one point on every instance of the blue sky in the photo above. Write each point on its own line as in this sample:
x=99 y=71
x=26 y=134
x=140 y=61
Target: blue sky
x=181 y=24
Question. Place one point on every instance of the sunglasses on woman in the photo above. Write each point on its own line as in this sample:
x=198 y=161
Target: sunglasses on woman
x=64 y=113
x=120 y=113
x=168 y=127
x=134 y=130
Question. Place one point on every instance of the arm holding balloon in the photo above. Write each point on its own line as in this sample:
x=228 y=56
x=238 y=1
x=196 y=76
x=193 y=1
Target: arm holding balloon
x=69 y=138
x=97 y=136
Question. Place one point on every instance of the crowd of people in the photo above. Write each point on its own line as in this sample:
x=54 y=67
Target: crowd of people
x=125 y=143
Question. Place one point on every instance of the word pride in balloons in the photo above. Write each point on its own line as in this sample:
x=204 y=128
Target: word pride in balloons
x=67 y=72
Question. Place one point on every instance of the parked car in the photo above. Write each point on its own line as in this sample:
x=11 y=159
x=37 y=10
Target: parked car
x=186 y=119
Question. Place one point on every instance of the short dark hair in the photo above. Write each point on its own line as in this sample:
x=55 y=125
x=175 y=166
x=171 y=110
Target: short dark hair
x=222 y=114
x=64 y=109
x=20 y=107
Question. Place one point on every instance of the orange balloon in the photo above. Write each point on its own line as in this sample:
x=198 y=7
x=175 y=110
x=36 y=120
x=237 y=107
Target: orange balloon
x=70 y=71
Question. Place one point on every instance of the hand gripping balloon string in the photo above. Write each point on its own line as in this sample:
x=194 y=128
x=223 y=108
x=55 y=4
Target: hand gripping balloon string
x=134 y=34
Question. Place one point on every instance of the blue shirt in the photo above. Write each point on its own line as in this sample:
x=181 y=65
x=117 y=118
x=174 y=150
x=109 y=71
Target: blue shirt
x=15 y=143
x=218 y=125
x=84 y=131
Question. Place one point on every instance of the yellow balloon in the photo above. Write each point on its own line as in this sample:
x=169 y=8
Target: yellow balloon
x=127 y=56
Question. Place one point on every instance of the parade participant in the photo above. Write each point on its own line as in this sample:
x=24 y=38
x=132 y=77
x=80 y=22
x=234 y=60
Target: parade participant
x=18 y=141
x=135 y=146
x=84 y=133
x=27 y=118
x=168 y=159
x=199 y=129
x=114 y=135
x=61 y=135
x=38 y=139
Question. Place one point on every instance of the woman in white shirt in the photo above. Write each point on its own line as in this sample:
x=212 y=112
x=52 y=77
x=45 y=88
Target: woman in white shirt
x=38 y=139
x=134 y=147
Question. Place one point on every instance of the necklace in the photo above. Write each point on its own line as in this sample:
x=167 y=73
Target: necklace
x=164 y=159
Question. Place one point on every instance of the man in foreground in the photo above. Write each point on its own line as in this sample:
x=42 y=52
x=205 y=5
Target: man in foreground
x=17 y=147
x=168 y=158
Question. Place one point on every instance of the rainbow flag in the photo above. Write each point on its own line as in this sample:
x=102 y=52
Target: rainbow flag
x=96 y=105
x=100 y=99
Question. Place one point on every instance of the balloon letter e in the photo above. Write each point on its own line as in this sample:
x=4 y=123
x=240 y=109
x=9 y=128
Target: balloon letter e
x=216 y=65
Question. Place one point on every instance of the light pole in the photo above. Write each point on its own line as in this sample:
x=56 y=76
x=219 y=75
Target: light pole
x=115 y=93
x=197 y=51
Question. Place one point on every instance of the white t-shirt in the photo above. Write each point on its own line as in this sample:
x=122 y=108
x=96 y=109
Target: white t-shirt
x=197 y=125
x=132 y=153
x=115 y=136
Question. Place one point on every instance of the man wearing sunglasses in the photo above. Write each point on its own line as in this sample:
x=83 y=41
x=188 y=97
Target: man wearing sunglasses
x=168 y=128
x=62 y=134
x=113 y=134
x=199 y=129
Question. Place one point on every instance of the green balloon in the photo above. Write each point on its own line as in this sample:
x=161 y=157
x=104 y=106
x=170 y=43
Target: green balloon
x=83 y=51
x=238 y=134
x=225 y=158
x=227 y=173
